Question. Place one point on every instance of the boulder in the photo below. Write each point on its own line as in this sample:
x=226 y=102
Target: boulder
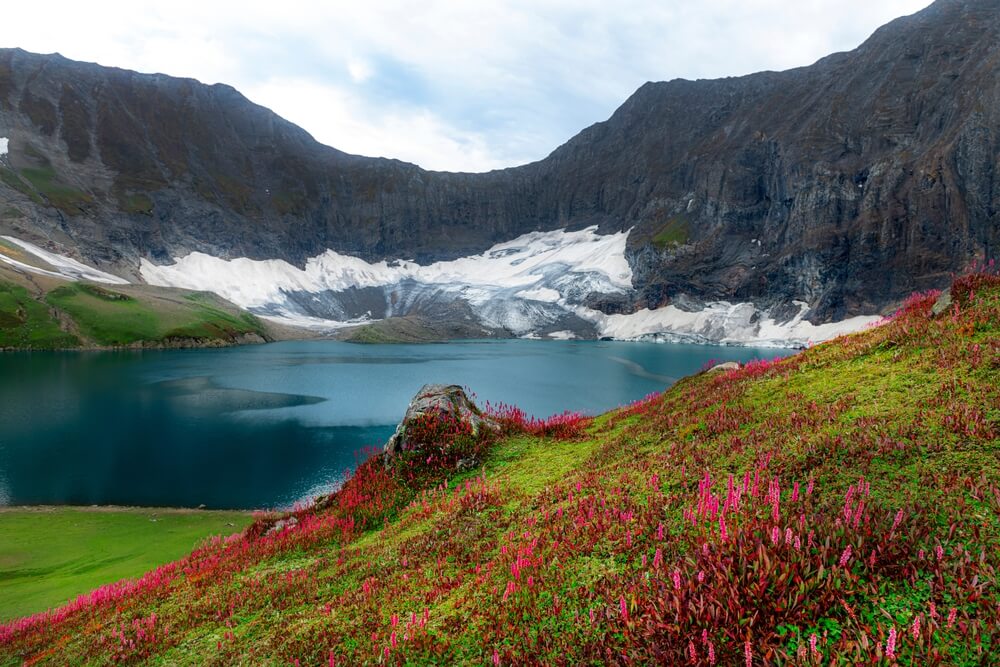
x=448 y=401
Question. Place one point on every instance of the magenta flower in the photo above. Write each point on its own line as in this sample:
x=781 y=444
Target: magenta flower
x=890 y=644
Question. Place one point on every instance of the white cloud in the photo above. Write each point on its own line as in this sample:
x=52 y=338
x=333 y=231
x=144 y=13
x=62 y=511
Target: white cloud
x=447 y=83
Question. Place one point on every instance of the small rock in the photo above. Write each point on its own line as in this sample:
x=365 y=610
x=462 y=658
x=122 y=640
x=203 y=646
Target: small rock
x=727 y=366
x=201 y=507
x=467 y=464
x=281 y=524
x=942 y=304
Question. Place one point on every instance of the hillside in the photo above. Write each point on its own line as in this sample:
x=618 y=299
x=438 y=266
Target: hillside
x=844 y=185
x=840 y=505
x=42 y=309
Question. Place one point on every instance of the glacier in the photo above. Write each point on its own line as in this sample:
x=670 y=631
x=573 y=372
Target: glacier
x=536 y=285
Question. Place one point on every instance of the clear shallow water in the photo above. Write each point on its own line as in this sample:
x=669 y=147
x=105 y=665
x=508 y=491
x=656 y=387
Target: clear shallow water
x=264 y=426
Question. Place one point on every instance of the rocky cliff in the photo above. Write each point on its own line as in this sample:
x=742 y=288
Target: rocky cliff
x=845 y=185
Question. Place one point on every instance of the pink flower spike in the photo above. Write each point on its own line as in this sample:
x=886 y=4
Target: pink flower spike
x=624 y=607
x=890 y=644
x=812 y=644
x=846 y=556
x=916 y=628
x=748 y=652
x=951 y=616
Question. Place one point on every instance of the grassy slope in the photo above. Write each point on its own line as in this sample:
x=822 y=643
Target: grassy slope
x=124 y=315
x=36 y=311
x=865 y=498
x=26 y=323
x=51 y=555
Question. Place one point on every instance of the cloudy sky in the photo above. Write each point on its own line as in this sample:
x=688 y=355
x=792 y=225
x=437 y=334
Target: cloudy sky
x=463 y=85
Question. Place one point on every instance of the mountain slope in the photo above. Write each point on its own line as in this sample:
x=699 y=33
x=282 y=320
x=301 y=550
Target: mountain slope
x=838 y=506
x=844 y=185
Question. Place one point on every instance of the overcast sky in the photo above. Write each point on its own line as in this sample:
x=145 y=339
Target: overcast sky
x=448 y=84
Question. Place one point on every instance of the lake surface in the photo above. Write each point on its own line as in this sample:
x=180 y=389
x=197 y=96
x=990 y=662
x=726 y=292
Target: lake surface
x=266 y=426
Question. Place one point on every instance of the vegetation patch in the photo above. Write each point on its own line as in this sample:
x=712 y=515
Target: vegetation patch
x=841 y=506
x=49 y=556
x=137 y=203
x=675 y=232
x=113 y=318
x=45 y=182
x=26 y=323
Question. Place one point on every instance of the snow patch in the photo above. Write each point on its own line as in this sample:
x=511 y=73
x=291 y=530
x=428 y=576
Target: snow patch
x=546 y=294
x=521 y=263
x=63 y=267
x=4 y=142
x=722 y=323
x=519 y=285
x=561 y=335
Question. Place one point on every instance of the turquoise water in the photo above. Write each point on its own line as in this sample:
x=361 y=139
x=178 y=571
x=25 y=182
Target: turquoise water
x=265 y=426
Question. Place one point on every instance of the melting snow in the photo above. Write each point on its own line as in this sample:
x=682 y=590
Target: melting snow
x=722 y=322
x=63 y=267
x=522 y=263
x=522 y=285
x=4 y=142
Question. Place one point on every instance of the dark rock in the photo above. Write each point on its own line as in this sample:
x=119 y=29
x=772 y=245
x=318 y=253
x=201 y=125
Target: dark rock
x=466 y=464
x=446 y=401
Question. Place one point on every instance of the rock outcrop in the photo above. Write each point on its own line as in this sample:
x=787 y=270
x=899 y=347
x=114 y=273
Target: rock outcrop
x=846 y=185
x=445 y=402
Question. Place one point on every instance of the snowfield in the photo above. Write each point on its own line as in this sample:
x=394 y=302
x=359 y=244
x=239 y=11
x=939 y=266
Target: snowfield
x=59 y=266
x=533 y=286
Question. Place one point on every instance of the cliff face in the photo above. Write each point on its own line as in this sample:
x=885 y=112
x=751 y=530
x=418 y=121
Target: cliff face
x=846 y=184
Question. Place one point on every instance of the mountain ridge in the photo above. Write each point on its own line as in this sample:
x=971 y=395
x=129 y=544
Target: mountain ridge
x=845 y=184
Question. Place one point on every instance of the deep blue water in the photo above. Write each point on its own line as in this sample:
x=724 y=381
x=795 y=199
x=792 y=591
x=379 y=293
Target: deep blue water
x=264 y=426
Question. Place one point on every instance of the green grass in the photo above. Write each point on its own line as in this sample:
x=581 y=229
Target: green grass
x=111 y=317
x=45 y=182
x=26 y=323
x=136 y=203
x=49 y=556
x=675 y=233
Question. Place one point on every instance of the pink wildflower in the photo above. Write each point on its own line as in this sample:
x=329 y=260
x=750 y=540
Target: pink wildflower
x=846 y=556
x=890 y=644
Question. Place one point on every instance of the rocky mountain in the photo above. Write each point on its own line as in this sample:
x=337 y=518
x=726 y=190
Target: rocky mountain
x=811 y=195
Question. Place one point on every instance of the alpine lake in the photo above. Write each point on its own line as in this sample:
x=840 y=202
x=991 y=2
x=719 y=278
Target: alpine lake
x=270 y=425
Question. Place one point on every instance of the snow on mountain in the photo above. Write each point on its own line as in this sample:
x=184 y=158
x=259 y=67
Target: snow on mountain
x=57 y=266
x=536 y=283
x=723 y=323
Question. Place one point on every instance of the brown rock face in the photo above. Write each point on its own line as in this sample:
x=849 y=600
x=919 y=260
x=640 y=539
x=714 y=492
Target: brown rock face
x=846 y=184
